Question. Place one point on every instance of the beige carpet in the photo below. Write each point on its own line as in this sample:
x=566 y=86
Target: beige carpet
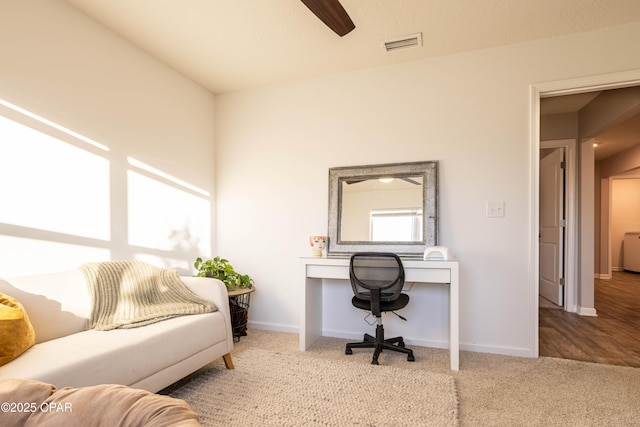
x=269 y=388
x=497 y=390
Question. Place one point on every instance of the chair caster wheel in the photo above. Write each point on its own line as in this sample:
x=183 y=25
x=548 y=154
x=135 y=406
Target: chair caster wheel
x=374 y=362
x=401 y=344
x=348 y=351
x=410 y=358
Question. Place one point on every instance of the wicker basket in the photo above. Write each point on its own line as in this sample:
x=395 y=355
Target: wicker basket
x=239 y=308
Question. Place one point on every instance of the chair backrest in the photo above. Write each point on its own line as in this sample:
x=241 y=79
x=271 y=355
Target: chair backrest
x=373 y=272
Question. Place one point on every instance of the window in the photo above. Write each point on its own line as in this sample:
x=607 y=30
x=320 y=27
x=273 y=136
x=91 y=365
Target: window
x=396 y=225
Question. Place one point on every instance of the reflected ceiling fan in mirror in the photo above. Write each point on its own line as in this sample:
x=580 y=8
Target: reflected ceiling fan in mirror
x=332 y=14
x=355 y=181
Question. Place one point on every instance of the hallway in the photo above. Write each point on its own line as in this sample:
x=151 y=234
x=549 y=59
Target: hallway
x=613 y=337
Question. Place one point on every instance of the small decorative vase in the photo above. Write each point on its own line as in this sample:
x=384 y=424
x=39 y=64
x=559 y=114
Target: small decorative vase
x=318 y=243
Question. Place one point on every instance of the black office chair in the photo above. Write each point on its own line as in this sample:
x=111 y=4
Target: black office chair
x=377 y=280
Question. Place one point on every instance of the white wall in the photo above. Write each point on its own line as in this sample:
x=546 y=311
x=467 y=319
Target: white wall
x=63 y=66
x=625 y=215
x=469 y=111
x=625 y=164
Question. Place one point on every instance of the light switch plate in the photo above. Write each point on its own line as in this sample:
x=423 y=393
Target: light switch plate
x=495 y=209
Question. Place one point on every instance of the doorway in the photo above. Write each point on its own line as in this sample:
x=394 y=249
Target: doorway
x=580 y=240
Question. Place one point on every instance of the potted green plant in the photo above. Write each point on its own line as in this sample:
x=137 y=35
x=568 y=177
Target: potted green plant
x=219 y=268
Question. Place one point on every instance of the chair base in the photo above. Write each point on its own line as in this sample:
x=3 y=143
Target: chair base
x=379 y=343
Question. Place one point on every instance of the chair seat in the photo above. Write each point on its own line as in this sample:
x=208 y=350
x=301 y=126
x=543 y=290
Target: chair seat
x=401 y=302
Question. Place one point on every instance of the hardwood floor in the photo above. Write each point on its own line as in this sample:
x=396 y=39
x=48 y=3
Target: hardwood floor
x=613 y=337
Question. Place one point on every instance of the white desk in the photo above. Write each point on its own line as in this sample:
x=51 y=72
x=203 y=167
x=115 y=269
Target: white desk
x=317 y=269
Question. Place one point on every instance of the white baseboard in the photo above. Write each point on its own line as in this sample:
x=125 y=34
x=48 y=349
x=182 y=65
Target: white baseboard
x=587 y=311
x=476 y=348
x=277 y=327
x=505 y=351
x=355 y=336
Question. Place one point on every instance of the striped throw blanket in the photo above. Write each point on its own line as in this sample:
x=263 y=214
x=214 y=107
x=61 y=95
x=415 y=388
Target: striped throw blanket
x=128 y=294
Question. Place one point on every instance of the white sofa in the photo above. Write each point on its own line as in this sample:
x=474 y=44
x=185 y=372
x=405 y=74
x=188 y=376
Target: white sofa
x=150 y=357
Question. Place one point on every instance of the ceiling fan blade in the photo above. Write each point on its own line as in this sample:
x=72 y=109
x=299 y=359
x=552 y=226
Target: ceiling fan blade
x=332 y=14
x=411 y=181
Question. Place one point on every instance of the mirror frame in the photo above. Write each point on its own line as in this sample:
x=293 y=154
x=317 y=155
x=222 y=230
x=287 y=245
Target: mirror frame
x=429 y=172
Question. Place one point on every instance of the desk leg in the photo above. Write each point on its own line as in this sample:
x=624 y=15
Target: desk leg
x=310 y=312
x=454 y=321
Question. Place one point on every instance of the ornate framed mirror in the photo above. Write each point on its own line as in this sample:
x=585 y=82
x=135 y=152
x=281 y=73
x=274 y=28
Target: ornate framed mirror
x=383 y=208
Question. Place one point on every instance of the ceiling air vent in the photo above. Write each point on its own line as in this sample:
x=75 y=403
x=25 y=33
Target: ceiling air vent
x=406 y=42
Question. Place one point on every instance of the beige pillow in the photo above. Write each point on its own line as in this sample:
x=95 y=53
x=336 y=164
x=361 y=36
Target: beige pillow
x=100 y=405
x=16 y=332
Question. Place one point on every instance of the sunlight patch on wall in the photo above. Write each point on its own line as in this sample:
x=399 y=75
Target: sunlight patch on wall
x=53 y=125
x=165 y=217
x=51 y=185
x=56 y=203
x=30 y=257
x=153 y=171
x=184 y=267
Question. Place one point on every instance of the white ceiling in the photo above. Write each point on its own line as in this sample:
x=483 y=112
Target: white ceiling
x=620 y=137
x=567 y=103
x=229 y=45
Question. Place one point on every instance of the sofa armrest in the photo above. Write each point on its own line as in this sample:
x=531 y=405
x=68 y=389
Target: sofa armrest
x=215 y=291
x=204 y=287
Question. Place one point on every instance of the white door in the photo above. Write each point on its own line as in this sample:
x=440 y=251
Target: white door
x=552 y=226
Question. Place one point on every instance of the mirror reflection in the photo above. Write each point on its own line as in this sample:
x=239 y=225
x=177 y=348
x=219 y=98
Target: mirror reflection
x=382 y=209
x=389 y=207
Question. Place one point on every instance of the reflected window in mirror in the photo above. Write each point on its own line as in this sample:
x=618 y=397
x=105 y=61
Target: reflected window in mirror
x=402 y=225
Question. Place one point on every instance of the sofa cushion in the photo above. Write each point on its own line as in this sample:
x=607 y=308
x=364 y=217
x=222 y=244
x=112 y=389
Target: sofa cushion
x=120 y=356
x=58 y=303
x=101 y=405
x=16 y=332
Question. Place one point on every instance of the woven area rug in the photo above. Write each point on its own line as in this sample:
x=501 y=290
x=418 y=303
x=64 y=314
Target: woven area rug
x=282 y=389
